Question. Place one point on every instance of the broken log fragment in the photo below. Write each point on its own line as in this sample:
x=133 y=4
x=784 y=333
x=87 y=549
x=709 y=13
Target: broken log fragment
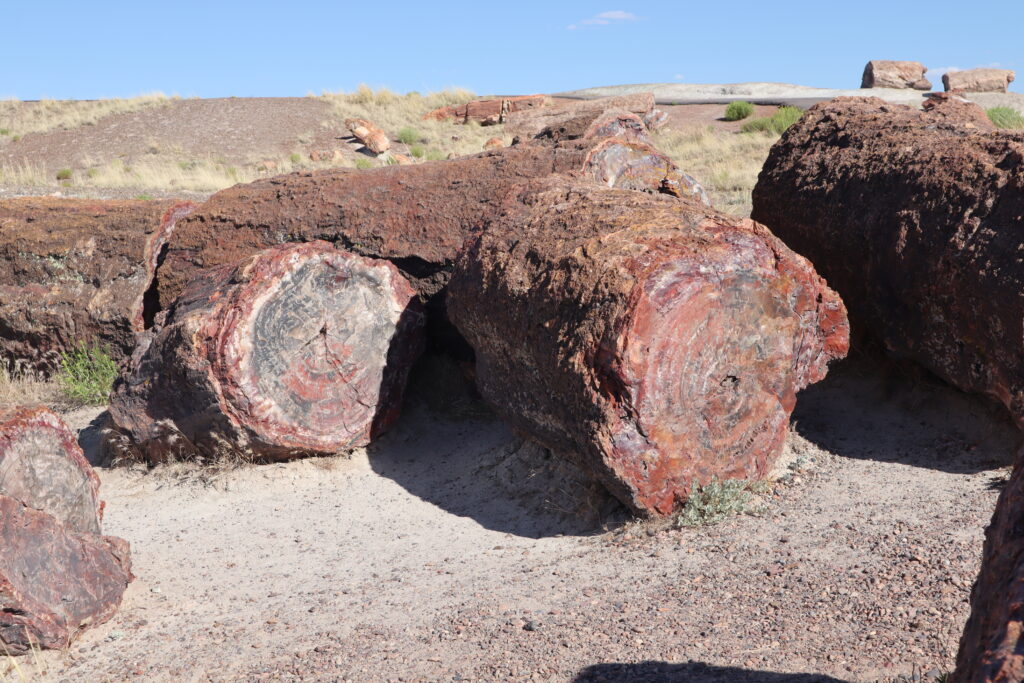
x=415 y=216
x=43 y=468
x=917 y=219
x=657 y=343
x=77 y=271
x=530 y=123
x=596 y=125
x=54 y=581
x=487 y=112
x=372 y=137
x=296 y=350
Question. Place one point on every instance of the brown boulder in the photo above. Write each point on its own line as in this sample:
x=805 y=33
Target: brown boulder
x=978 y=80
x=494 y=143
x=372 y=137
x=529 y=124
x=597 y=125
x=655 y=342
x=884 y=73
x=78 y=271
x=298 y=349
x=655 y=119
x=917 y=220
x=54 y=581
x=42 y=467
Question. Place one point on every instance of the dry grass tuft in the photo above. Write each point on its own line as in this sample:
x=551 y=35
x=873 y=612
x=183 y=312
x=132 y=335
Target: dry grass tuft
x=27 y=390
x=726 y=164
x=20 y=118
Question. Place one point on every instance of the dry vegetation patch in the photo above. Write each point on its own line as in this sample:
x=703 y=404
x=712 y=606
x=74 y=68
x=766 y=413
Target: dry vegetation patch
x=19 y=118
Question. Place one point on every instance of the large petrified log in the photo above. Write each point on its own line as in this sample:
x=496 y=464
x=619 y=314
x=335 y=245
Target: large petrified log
x=656 y=342
x=42 y=467
x=416 y=216
x=54 y=581
x=886 y=73
x=992 y=645
x=978 y=80
x=77 y=271
x=530 y=123
x=489 y=111
x=372 y=137
x=917 y=219
x=609 y=123
x=298 y=349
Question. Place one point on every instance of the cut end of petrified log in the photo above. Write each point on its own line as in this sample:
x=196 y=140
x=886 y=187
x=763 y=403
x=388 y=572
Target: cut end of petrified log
x=43 y=468
x=298 y=349
x=636 y=166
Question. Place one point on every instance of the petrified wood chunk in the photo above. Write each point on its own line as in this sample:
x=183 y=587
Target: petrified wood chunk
x=885 y=73
x=369 y=134
x=610 y=123
x=54 y=581
x=488 y=111
x=656 y=342
x=917 y=219
x=77 y=271
x=298 y=349
x=978 y=80
x=416 y=216
x=42 y=467
x=528 y=124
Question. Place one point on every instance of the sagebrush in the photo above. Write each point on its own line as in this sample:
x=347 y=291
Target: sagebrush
x=738 y=110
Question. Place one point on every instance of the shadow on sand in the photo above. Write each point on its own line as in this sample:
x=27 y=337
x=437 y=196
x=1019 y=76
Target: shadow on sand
x=693 y=672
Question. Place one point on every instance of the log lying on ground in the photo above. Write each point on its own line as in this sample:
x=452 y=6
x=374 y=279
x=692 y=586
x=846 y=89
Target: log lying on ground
x=77 y=271
x=488 y=112
x=918 y=221
x=416 y=216
x=884 y=73
x=655 y=342
x=991 y=645
x=530 y=123
x=596 y=125
x=54 y=581
x=42 y=467
x=372 y=137
x=299 y=349
x=978 y=80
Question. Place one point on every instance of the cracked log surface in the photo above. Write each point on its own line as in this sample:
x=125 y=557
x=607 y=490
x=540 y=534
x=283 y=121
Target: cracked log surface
x=992 y=645
x=42 y=467
x=605 y=123
x=76 y=271
x=532 y=122
x=656 y=342
x=54 y=581
x=298 y=349
x=917 y=219
x=415 y=216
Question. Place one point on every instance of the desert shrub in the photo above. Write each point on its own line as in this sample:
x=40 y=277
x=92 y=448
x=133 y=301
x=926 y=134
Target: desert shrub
x=418 y=151
x=436 y=155
x=738 y=110
x=295 y=157
x=1006 y=117
x=5 y=131
x=64 y=174
x=408 y=135
x=777 y=123
x=364 y=164
x=86 y=375
x=713 y=502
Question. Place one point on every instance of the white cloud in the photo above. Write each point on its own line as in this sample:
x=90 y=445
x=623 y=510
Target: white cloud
x=604 y=19
x=678 y=77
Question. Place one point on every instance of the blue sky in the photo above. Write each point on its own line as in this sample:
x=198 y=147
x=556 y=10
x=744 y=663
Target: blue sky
x=85 y=49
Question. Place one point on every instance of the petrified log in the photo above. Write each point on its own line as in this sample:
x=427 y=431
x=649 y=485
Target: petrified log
x=655 y=119
x=77 y=271
x=655 y=342
x=42 y=467
x=416 y=216
x=918 y=221
x=596 y=125
x=298 y=349
x=978 y=80
x=489 y=111
x=54 y=581
x=992 y=645
x=494 y=143
x=372 y=137
x=528 y=124
x=885 y=73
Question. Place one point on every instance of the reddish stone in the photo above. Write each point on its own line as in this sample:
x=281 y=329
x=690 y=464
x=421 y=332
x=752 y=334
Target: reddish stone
x=655 y=119
x=529 y=124
x=597 y=125
x=489 y=111
x=917 y=219
x=884 y=73
x=494 y=143
x=299 y=349
x=372 y=137
x=978 y=80
x=655 y=342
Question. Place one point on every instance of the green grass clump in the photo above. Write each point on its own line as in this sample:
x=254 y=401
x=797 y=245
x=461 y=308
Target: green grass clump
x=408 y=135
x=711 y=503
x=436 y=155
x=86 y=375
x=144 y=197
x=738 y=110
x=64 y=174
x=418 y=151
x=1006 y=117
x=295 y=158
x=364 y=164
x=777 y=123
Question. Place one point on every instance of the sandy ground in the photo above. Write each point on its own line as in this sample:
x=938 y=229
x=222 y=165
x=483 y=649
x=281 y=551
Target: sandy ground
x=440 y=554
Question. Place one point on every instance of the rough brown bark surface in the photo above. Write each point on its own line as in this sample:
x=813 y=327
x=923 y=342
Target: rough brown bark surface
x=43 y=467
x=77 y=271
x=54 y=582
x=416 y=216
x=656 y=342
x=530 y=123
x=596 y=125
x=297 y=350
x=918 y=221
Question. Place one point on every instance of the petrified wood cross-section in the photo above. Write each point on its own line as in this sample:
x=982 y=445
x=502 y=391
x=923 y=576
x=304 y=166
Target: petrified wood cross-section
x=297 y=349
x=656 y=342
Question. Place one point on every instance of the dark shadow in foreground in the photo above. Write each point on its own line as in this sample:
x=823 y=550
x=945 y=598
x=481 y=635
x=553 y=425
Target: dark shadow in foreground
x=692 y=672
